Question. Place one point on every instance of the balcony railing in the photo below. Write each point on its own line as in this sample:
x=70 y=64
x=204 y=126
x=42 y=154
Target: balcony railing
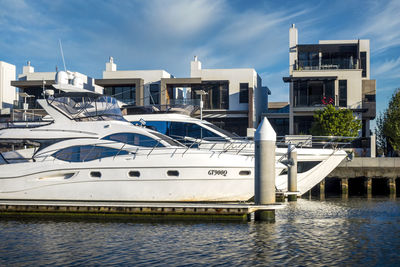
x=325 y=64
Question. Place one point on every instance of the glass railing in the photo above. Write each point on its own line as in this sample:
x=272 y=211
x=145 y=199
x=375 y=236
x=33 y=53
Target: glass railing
x=331 y=64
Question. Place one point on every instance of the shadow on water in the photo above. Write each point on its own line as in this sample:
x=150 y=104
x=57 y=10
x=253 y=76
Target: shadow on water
x=331 y=232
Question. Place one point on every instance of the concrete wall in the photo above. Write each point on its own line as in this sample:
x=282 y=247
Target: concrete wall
x=234 y=76
x=7 y=92
x=368 y=167
x=148 y=76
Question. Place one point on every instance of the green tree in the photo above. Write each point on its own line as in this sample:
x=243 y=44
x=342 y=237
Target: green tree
x=391 y=122
x=381 y=139
x=332 y=121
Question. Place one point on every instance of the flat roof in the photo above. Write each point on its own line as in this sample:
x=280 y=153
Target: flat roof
x=345 y=47
x=35 y=83
x=118 y=81
x=309 y=78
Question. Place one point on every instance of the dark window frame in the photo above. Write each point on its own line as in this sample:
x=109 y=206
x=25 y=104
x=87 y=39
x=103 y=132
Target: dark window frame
x=244 y=93
x=342 y=93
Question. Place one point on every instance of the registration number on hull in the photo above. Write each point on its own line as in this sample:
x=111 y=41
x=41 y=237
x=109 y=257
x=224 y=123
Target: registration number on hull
x=217 y=172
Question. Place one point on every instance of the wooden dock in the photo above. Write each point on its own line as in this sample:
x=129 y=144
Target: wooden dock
x=134 y=210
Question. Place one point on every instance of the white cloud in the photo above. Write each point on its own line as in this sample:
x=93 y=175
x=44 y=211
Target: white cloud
x=182 y=18
x=389 y=69
x=382 y=25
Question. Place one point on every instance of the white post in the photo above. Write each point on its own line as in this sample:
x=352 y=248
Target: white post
x=265 y=138
x=292 y=172
x=373 y=145
x=264 y=171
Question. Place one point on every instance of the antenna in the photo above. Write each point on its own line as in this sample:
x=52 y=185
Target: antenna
x=62 y=54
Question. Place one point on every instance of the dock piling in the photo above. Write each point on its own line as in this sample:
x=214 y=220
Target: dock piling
x=322 y=190
x=292 y=172
x=344 y=182
x=264 y=179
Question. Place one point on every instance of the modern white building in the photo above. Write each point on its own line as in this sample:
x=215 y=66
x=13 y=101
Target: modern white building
x=133 y=87
x=241 y=95
x=8 y=93
x=333 y=72
x=233 y=98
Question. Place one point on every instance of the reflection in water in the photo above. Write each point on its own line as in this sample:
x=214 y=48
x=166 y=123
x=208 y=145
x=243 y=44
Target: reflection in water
x=333 y=232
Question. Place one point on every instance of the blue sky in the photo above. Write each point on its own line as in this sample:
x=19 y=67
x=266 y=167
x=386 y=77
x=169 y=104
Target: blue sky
x=161 y=34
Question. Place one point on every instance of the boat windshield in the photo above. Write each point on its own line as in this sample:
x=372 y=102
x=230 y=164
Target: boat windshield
x=224 y=132
x=87 y=107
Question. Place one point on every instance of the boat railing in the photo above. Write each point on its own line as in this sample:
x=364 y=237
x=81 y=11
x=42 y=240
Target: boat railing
x=130 y=150
x=23 y=124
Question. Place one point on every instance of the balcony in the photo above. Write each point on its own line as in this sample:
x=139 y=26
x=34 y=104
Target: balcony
x=337 y=64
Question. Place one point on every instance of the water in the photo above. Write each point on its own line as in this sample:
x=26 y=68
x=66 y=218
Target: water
x=318 y=233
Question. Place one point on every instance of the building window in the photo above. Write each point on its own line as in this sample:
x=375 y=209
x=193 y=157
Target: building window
x=124 y=93
x=217 y=96
x=154 y=94
x=313 y=93
x=244 y=93
x=342 y=93
x=302 y=124
x=363 y=59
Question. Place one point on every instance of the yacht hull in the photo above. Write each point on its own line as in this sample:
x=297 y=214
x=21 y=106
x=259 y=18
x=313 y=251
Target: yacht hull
x=222 y=178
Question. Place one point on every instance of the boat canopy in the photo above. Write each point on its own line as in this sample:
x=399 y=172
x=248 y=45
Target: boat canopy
x=86 y=107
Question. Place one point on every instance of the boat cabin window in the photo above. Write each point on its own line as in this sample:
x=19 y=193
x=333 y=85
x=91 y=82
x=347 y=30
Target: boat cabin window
x=180 y=129
x=86 y=107
x=87 y=153
x=134 y=139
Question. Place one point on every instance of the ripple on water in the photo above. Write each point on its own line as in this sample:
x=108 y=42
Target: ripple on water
x=333 y=232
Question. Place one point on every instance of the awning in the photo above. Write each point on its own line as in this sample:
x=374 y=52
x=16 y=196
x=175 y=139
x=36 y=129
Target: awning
x=312 y=78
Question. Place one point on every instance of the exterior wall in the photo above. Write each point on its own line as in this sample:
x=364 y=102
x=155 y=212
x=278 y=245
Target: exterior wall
x=148 y=76
x=235 y=77
x=354 y=83
x=7 y=92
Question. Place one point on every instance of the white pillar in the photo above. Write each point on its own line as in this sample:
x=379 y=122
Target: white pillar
x=264 y=182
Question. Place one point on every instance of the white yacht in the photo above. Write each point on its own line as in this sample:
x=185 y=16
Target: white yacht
x=313 y=164
x=89 y=152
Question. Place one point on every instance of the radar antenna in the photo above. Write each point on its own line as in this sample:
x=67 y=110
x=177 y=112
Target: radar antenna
x=62 y=55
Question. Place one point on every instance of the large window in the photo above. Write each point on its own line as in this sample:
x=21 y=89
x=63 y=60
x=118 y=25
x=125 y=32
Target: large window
x=217 y=96
x=244 y=93
x=133 y=139
x=308 y=60
x=124 y=93
x=302 y=124
x=343 y=93
x=87 y=153
x=154 y=94
x=313 y=93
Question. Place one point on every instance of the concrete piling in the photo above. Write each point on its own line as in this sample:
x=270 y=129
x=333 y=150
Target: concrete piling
x=368 y=185
x=344 y=182
x=264 y=179
x=392 y=187
x=292 y=173
x=322 y=190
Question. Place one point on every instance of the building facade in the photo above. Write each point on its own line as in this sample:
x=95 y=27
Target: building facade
x=132 y=87
x=233 y=99
x=8 y=93
x=335 y=72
